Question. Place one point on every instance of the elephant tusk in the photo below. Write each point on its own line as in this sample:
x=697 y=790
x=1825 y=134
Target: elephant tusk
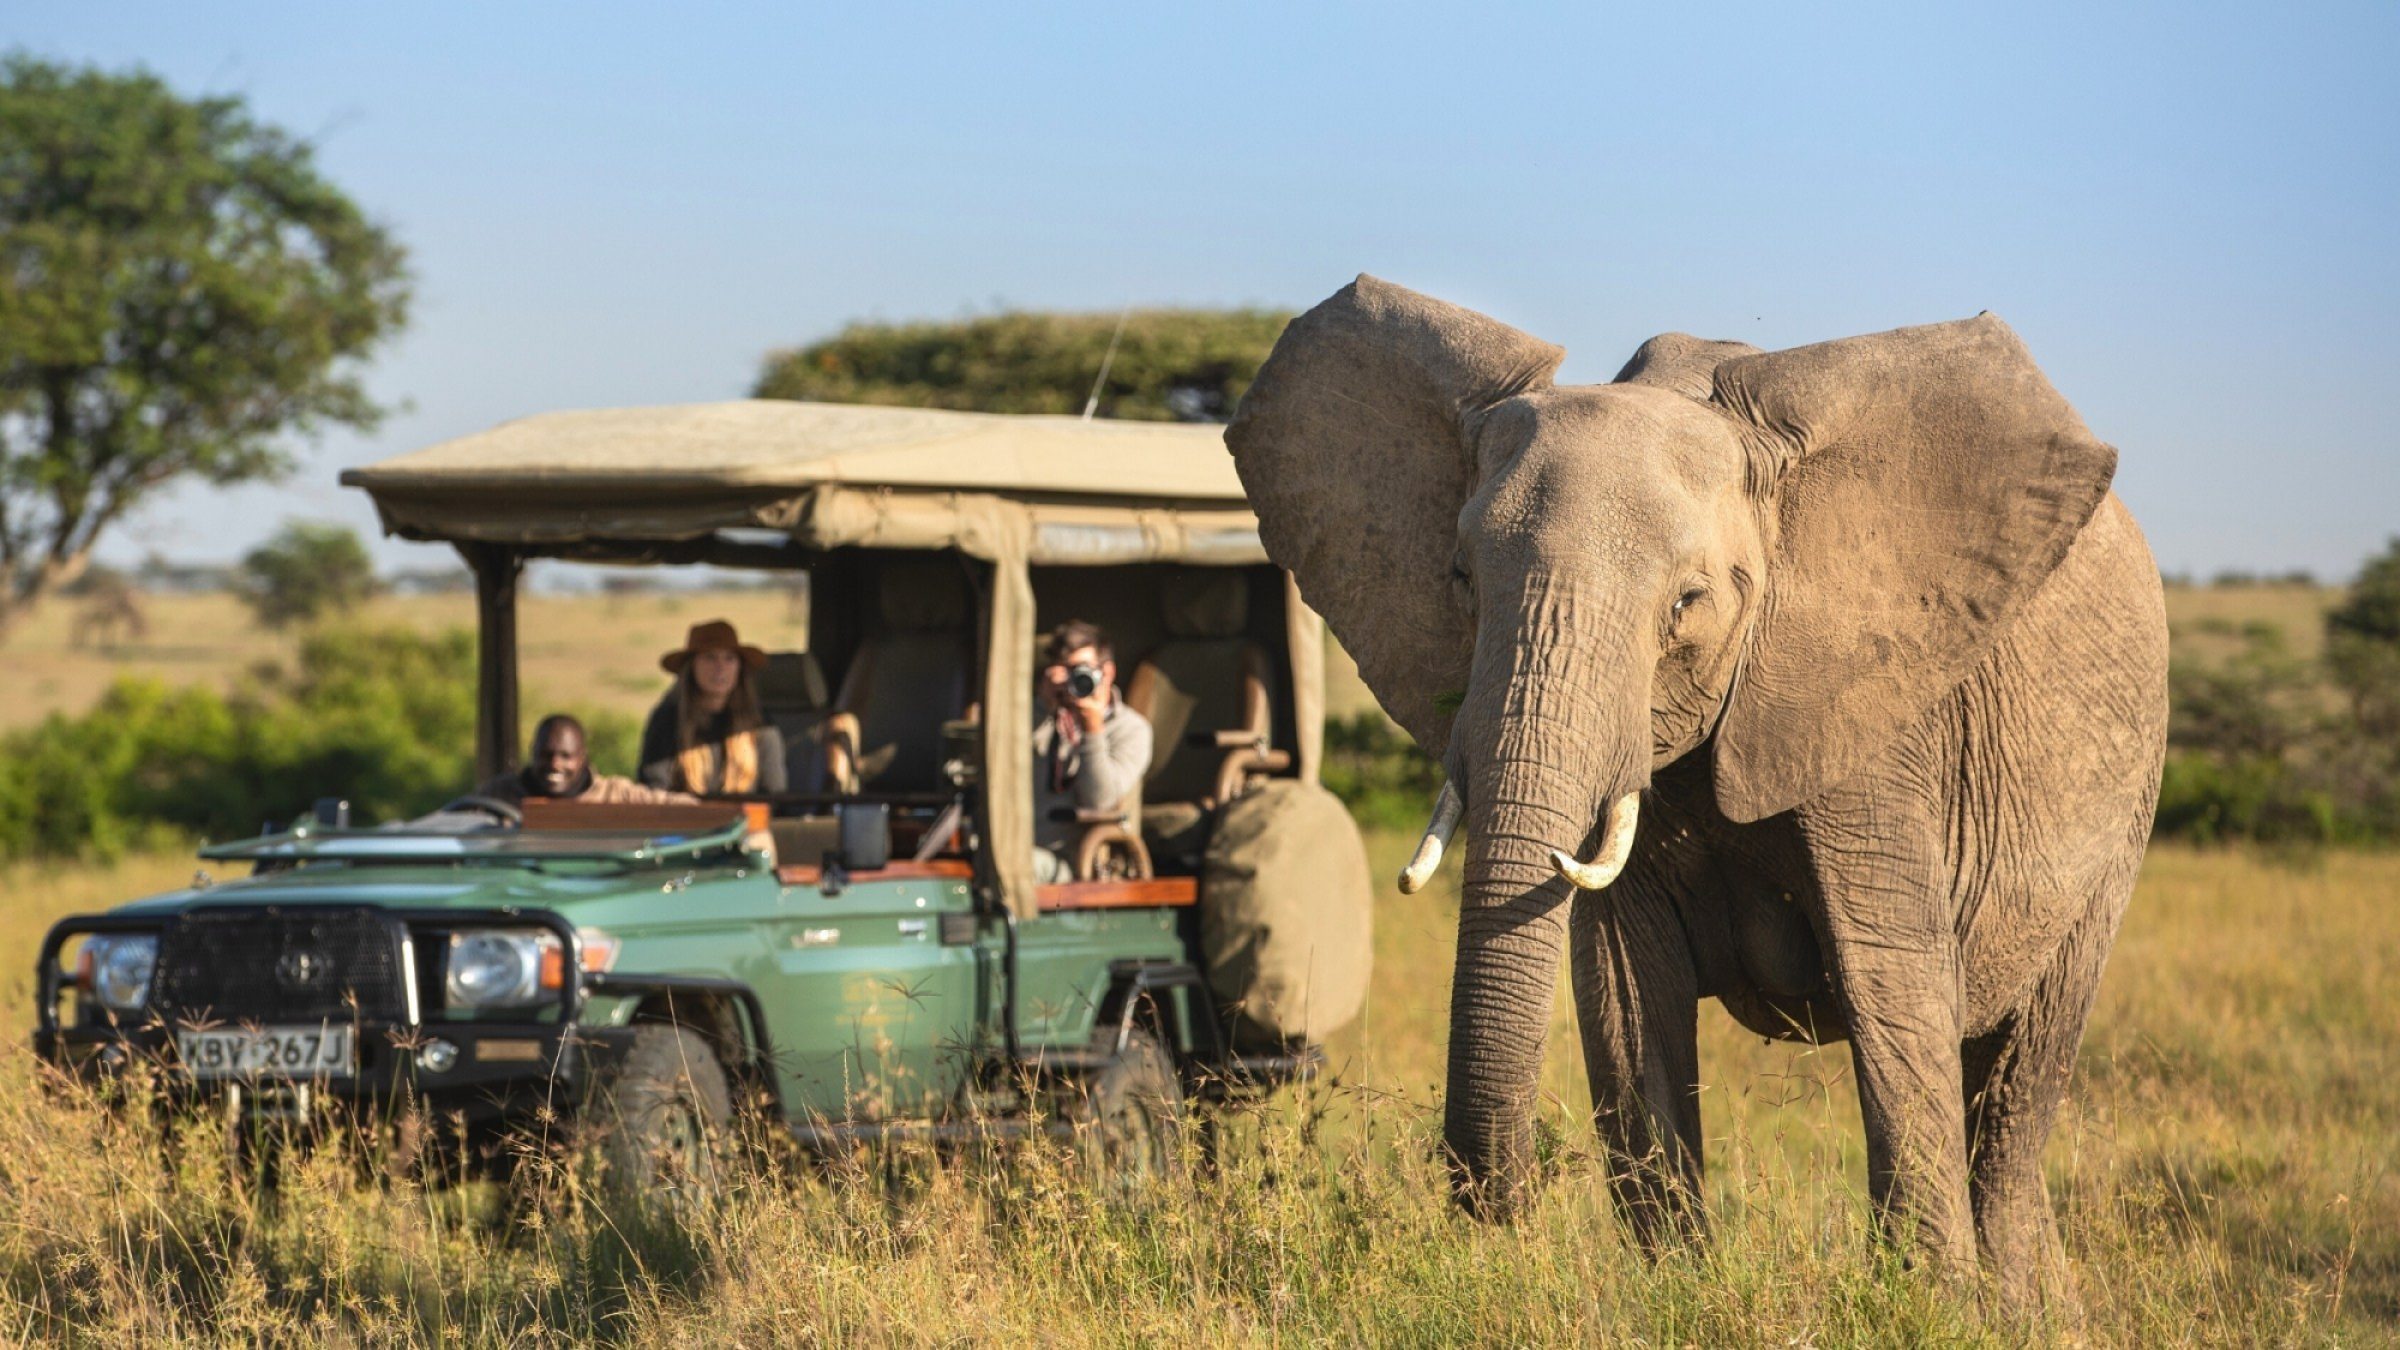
x=1447 y=808
x=1615 y=849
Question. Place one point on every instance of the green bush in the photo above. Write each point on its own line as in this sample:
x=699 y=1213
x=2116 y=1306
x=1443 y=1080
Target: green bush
x=382 y=718
x=2211 y=800
x=1376 y=770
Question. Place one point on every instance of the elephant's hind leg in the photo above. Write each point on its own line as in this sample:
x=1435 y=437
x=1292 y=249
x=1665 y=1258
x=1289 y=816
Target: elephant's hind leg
x=2015 y=1079
x=1637 y=1002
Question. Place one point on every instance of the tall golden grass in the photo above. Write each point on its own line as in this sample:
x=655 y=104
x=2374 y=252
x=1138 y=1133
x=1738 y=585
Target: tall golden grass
x=2223 y=1175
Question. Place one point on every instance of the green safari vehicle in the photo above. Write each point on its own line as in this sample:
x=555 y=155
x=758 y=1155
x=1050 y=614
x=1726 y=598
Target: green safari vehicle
x=867 y=954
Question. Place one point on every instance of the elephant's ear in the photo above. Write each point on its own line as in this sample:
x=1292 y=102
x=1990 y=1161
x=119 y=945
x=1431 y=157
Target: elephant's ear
x=1917 y=486
x=1356 y=445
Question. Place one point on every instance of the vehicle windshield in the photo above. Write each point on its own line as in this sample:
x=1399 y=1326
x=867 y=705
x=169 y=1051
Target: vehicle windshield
x=410 y=842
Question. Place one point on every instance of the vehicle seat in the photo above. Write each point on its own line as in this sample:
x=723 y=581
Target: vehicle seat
x=1206 y=693
x=909 y=676
x=792 y=696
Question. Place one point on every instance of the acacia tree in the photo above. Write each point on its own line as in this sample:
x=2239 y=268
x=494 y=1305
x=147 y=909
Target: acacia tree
x=1161 y=364
x=2362 y=646
x=180 y=292
x=308 y=570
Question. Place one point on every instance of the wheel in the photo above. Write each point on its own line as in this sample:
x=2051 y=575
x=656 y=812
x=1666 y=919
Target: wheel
x=658 y=1120
x=1129 y=1117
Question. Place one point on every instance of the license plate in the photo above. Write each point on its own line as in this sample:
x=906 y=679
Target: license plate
x=279 y=1052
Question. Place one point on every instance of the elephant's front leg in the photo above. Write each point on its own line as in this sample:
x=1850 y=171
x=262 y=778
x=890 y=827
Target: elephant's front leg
x=1637 y=1001
x=1892 y=950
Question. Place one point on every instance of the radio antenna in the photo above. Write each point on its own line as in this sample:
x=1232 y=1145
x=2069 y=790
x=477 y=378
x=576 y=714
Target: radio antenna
x=1092 y=404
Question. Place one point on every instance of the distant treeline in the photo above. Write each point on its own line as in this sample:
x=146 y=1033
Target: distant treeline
x=2265 y=743
x=2236 y=579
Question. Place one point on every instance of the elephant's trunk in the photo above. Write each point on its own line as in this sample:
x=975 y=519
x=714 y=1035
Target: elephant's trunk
x=1500 y=1003
x=1539 y=769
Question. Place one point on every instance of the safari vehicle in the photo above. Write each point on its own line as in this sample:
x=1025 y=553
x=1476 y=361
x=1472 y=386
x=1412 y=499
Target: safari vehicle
x=867 y=953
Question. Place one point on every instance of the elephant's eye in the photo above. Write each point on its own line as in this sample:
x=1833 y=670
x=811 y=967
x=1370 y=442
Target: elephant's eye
x=1691 y=596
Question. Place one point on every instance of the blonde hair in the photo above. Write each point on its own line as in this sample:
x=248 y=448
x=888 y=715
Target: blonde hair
x=697 y=757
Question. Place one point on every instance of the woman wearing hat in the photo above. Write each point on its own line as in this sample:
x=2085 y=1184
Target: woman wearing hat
x=707 y=735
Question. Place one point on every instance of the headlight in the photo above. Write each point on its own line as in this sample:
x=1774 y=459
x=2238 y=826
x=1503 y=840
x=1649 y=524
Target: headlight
x=495 y=968
x=120 y=966
x=514 y=967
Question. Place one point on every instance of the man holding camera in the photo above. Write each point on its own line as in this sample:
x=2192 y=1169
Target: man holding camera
x=1090 y=751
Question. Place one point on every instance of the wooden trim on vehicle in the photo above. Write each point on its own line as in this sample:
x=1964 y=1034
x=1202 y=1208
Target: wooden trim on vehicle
x=566 y=813
x=939 y=869
x=1150 y=893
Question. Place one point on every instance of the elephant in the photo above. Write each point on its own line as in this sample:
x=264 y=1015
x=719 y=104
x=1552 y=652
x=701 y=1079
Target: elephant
x=1827 y=682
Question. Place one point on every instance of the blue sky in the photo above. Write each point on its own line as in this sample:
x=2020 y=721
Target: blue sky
x=2190 y=212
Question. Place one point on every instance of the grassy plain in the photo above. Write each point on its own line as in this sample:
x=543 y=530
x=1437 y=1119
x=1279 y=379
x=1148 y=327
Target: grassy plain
x=2224 y=1175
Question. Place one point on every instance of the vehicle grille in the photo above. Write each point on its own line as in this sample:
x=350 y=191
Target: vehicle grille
x=283 y=965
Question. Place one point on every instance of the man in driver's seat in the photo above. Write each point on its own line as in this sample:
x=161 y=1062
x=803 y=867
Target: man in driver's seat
x=559 y=768
x=1090 y=751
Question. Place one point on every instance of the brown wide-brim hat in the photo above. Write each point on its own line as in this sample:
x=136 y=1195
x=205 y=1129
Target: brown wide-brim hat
x=715 y=635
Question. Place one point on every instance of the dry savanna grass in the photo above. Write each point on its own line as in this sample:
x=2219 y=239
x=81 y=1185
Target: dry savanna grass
x=2223 y=1175
x=2212 y=617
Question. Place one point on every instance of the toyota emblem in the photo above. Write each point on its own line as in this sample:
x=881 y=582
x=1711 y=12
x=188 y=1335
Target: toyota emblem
x=302 y=968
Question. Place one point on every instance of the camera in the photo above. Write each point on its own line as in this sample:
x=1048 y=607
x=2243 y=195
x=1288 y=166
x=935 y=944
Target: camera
x=1083 y=681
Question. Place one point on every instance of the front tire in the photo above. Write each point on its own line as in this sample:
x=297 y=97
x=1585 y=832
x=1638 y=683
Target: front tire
x=660 y=1118
x=1129 y=1118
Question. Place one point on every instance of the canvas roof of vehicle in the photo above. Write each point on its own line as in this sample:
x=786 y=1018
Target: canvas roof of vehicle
x=1050 y=489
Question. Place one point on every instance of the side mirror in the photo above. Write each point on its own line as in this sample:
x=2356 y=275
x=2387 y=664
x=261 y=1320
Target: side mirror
x=866 y=835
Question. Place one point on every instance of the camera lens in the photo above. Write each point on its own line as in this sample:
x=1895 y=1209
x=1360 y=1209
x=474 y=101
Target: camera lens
x=1083 y=681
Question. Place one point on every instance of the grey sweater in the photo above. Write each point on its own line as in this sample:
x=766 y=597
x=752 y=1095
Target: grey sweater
x=1103 y=770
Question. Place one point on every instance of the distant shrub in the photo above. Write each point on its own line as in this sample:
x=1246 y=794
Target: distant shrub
x=2257 y=704
x=1378 y=772
x=2371 y=610
x=2209 y=800
x=307 y=571
x=2362 y=646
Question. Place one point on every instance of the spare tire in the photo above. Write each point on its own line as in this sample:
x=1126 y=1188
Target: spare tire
x=1286 y=917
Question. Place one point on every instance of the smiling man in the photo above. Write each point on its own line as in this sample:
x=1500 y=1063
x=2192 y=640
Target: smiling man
x=559 y=768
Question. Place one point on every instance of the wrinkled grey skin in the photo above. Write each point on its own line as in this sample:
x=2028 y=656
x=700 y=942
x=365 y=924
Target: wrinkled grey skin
x=1863 y=625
